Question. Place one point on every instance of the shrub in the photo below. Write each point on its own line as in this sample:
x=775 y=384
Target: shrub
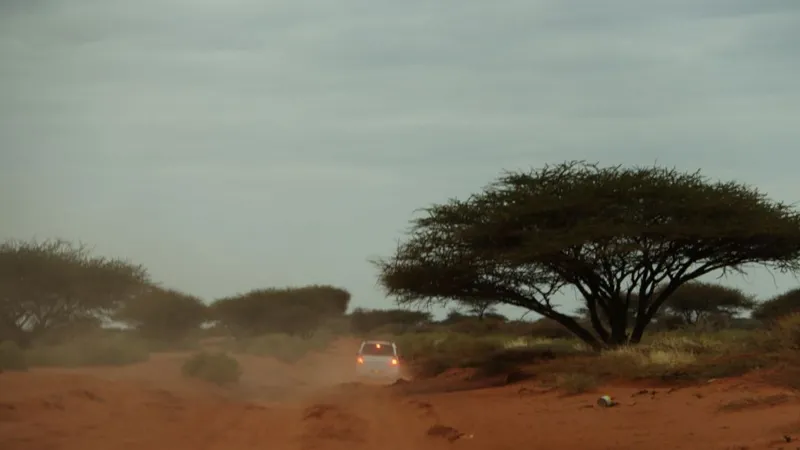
x=576 y=383
x=787 y=329
x=368 y=322
x=780 y=306
x=413 y=346
x=283 y=347
x=424 y=345
x=782 y=335
x=673 y=356
x=335 y=325
x=723 y=342
x=290 y=310
x=696 y=344
x=218 y=368
x=430 y=353
x=12 y=357
x=641 y=362
x=80 y=328
x=163 y=314
x=433 y=353
x=549 y=329
x=475 y=326
x=509 y=361
x=558 y=347
x=668 y=356
x=97 y=351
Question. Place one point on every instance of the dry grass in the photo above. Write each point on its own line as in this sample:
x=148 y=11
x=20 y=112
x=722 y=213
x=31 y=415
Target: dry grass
x=576 y=383
x=670 y=356
x=283 y=347
x=101 y=350
x=647 y=359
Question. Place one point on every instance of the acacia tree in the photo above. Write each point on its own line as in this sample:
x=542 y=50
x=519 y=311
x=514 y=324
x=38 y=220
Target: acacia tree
x=455 y=316
x=481 y=308
x=54 y=283
x=633 y=303
x=548 y=329
x=692 y=303
x=697 y=302
x=287 y=310
x=161 y=313
x=613 y=234
x=366 y=320
x=778 y=306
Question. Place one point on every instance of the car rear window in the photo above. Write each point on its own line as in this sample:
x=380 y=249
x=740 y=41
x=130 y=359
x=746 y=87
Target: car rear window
x=377 y=350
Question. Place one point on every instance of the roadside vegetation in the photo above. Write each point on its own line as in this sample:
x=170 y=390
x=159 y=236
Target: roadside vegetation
x=214 y=367
x=633 y=244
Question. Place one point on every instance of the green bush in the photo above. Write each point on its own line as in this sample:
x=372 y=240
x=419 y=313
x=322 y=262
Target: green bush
x=782 y=335
x=429 y=354
x=338 y=326
x=110 y=350
x=468 y=346
x=413 y=346
x=476 y=327
x=283 y=347
x=666 y=355
x=12 y=357
x=218 y=368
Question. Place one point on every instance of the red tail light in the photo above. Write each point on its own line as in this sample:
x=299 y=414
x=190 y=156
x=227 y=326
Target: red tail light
x=394 y=361
x=360 y=360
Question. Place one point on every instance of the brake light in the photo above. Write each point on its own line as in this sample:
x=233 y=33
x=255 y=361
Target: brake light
x=360 y=360
x=394 y=361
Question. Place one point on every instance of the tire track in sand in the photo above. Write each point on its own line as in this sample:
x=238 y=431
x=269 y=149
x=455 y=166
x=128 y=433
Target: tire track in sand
x=355 y=417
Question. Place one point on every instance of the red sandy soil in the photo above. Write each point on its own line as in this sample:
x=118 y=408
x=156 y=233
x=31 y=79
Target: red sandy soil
x=316 y=405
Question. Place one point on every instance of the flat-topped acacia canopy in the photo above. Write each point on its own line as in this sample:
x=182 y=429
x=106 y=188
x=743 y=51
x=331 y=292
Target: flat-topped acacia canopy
x=612 y=233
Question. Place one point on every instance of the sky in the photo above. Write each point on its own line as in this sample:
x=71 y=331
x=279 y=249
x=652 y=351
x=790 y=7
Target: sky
x=229 y=145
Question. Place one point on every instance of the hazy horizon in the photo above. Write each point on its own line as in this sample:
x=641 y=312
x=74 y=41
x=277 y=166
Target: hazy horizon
x=236 y=145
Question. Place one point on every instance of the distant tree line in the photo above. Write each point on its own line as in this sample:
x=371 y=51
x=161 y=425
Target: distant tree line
x=57 y=289
x=633 y=243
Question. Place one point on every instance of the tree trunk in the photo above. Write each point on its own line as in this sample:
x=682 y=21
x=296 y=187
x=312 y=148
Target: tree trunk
x=619 y=329
x=638 y=329
x=646 y=313
x=576 y=329
x=597 y=324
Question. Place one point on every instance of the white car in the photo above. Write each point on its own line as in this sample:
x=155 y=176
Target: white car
x=378 y=359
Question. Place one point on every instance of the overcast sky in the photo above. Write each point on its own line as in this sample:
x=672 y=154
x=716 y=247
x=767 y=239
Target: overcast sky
x=229 y=145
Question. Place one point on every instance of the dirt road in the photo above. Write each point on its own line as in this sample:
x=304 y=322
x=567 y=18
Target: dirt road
x=315 y=405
